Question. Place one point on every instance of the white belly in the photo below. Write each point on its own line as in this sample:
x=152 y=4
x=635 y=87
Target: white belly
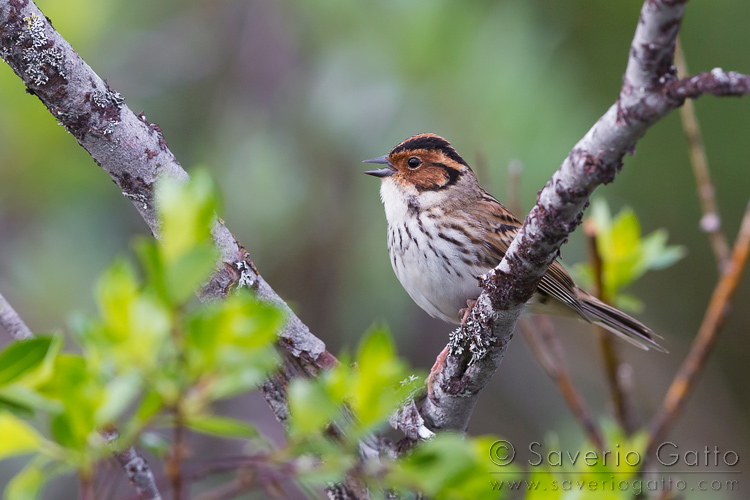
x=431 y=270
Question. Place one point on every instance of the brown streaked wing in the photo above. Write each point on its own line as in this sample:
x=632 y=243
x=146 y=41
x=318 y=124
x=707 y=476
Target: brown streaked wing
x=500 y=228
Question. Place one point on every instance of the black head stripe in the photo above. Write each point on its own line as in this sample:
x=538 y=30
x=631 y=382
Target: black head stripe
x=453 y=174
x=429 y=141
x=432 y=184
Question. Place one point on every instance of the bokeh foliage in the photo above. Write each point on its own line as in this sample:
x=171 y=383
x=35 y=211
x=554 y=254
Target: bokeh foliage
x=284 y=98
x=151 y=357
x=154 y=358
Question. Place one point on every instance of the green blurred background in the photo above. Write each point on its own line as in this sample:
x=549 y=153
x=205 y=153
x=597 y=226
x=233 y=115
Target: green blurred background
x=281 y=100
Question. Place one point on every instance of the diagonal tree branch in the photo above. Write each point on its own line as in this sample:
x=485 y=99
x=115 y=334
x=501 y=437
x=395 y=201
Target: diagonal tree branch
x=134 y=153
x=135 y=467
x=649 y=92
x=129 y=148
x=12 y=322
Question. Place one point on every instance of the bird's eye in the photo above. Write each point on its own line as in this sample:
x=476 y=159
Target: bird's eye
x=414 y=162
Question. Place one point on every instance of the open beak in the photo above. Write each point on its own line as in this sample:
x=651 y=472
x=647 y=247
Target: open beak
x=381 y=172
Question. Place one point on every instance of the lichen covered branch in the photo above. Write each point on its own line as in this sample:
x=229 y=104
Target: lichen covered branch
x=134 y=153
x=136 y=468
x=12 y=322
x=130 y=149
x=649 y=92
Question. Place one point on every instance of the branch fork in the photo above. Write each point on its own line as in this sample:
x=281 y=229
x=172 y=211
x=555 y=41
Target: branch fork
x=133 y=152
x=649 y=92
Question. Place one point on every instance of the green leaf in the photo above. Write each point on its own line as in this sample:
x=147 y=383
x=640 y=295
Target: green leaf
x=310 y=406
x=186 y=272
x=29 y=483
x=231 y=342
x=152 y=265
x=118 y=395
x=382 y=380
x=150 y=406
x=117 y=288
x=80 y=392
x=546 y=489
x=626 y=234
x=625 y=255
x=657 y=254
x=18 y=438
x=17 y=397
x=450 y=466
x=186 y=211
x=156 y=444
x=46 y=370
x=628 y=303
x=240 y=379
x=16 y=408
x=149 y=326
x=221 y=426
x=21 y=357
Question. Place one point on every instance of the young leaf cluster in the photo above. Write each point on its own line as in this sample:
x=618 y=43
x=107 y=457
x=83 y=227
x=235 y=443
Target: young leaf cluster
x=625 y=254
x=152 y=357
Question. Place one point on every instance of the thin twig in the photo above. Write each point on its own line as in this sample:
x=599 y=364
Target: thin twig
x=713 y=321
x=173 y=465
x=226 y=464
x=546 y=347
x=12 y=322
x=135 y=467
x=710 y=222
x=620 y=398
x=253 y=472
x=244 y=481
x=86 y=487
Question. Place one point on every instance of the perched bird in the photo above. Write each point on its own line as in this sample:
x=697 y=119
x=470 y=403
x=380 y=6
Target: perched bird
x=444 y=231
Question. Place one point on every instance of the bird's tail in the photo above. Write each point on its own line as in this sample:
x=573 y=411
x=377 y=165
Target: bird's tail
x=618 y=322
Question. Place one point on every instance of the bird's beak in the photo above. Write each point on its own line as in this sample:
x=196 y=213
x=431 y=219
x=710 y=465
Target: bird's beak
x=381 y=172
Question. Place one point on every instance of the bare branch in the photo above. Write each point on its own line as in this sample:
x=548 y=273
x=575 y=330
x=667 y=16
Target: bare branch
x=621 y=400
x=710 y=222
x=135 y=467
x=650 y=91
x=134 y=153
x=12 y=322
x=129 y=148
x=713 y=321
x=716 y=82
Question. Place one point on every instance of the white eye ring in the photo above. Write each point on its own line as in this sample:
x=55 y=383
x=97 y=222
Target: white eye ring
x=414 y=162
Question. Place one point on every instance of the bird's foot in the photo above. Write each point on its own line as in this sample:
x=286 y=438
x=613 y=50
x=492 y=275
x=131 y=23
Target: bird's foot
x=436 y=368
x=464 y=313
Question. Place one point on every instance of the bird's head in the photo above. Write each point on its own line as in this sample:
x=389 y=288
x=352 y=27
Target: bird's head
x=425 y=167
